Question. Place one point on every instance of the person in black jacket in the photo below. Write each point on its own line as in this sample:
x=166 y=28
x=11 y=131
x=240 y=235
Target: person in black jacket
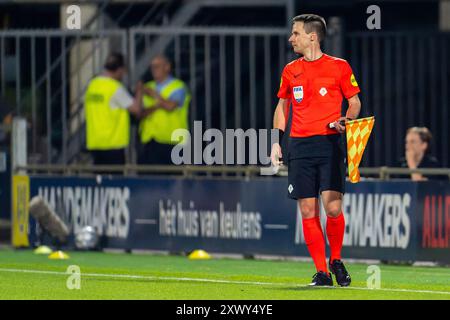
x=417 y=153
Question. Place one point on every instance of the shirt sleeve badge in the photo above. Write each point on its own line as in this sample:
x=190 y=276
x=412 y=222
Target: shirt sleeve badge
x=353 y=80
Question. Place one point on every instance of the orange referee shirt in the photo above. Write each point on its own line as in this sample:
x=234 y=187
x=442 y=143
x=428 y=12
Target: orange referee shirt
x=316 y=90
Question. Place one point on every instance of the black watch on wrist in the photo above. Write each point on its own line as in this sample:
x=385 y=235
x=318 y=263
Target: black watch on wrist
x=280 y=134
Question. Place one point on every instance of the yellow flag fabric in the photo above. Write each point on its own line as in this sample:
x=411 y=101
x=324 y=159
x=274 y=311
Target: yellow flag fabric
x=358 y=132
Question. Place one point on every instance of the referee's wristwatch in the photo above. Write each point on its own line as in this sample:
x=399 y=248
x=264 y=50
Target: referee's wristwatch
x=280 y=134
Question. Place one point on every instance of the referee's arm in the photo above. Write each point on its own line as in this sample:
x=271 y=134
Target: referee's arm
x=354 y=107
x=279 y=118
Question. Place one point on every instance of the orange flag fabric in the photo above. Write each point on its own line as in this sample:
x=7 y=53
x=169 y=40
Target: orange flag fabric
x=358 y=132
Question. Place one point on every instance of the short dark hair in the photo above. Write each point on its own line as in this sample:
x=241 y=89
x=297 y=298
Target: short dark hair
x=423 y=133
x=114 y=61
x=313 y=23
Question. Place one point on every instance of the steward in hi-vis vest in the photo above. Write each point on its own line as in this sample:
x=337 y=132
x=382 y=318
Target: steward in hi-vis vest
x=166 y=103
x=107 y=105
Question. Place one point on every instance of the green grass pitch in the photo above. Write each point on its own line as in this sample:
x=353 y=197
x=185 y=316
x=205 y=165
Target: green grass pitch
x=24 y=275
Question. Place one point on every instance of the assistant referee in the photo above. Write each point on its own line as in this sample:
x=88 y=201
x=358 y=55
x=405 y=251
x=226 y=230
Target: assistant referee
x=315 y=85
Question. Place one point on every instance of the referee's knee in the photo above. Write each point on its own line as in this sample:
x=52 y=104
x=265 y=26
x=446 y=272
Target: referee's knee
x=333 y=211
x=308 y=211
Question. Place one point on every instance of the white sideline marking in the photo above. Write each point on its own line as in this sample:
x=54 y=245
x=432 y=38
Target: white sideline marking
x=128 y=276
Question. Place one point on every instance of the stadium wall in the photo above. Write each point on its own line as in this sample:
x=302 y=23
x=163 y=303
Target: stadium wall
x=392 y=221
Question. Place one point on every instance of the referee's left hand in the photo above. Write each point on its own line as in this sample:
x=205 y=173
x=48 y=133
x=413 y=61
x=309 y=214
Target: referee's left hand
x=338 y=126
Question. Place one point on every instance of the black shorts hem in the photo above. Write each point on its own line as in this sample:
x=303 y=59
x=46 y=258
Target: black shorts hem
x=296 y=197
x=333 y=189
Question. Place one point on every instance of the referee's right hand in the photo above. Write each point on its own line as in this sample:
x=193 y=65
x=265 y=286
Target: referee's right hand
x=276 y=155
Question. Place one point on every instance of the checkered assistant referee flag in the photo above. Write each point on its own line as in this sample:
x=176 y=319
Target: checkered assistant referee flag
x=358 y=133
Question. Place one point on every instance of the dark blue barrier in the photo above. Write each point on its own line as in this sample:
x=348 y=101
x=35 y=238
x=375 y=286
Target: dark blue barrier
x=385 y=220
x=433 y=221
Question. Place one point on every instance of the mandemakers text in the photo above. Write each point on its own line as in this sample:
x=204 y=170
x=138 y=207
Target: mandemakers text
x=105 y=208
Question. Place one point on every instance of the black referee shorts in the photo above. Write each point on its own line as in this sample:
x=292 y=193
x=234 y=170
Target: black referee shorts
x=308 y=177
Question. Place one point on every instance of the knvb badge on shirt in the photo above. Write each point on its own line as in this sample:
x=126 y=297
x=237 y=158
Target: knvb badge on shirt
x=298 y=93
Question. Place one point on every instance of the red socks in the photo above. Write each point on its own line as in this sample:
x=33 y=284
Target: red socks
x=335 y=234
x=315 y=242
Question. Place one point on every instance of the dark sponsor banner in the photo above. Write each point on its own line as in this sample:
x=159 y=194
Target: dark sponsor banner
x=228 y=216
x=176 y=214
x=380 y=220
x=433 y=221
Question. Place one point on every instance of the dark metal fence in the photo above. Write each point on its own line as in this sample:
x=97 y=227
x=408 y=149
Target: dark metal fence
x=43 y=76
x=233 y=74
x=404 y=79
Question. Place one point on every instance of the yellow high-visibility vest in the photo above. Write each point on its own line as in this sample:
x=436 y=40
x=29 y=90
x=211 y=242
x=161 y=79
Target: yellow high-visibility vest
x=160 y=124
x=106 y=127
